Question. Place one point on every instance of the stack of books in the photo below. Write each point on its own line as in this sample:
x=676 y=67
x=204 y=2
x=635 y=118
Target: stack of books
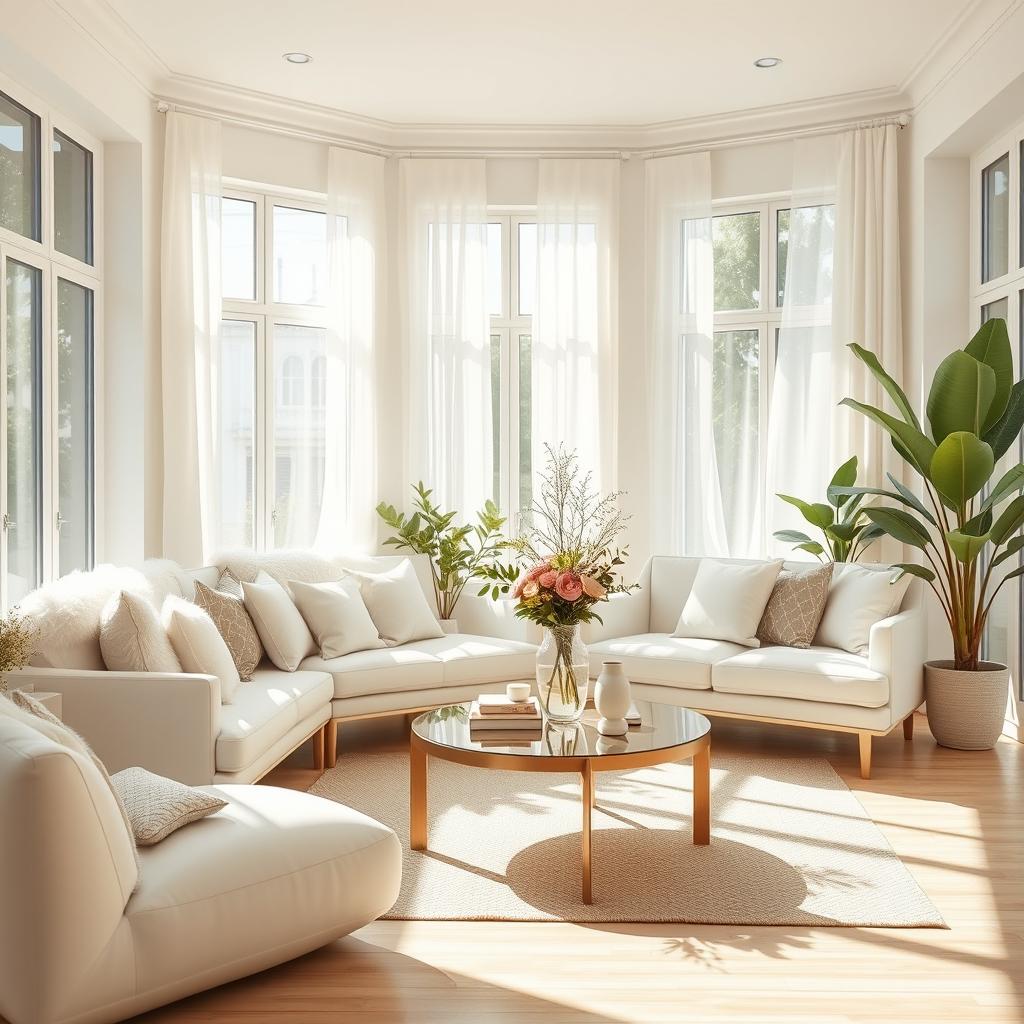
x=494 y=720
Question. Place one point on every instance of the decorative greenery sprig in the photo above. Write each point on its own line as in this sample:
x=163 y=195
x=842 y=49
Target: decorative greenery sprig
x=457 y=553
x=846 y=529
x=17 y=644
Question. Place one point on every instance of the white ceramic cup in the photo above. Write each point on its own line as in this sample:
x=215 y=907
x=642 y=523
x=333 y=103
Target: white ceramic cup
x=518 y=692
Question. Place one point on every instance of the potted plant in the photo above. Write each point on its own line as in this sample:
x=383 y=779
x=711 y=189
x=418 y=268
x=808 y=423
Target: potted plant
x=570 y=567
x=965 y=526
x=457 y=553
x=845 y=528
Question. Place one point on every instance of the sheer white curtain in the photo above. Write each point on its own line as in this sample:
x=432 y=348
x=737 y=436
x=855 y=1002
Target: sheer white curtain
x=867 y=291
x=446 y=330
x=801 y=453
x=686 y=495
x=575 y=324
x=356 y=269
x=190 y=301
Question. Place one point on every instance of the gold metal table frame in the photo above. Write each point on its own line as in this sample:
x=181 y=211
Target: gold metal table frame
x=586 y=765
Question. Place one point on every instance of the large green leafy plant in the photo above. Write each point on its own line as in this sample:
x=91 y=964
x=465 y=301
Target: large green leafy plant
x=846 y=531
x=458 y=552
x=965 y=526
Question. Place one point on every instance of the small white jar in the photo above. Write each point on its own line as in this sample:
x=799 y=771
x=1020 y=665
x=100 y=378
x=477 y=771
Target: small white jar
x=612 y=699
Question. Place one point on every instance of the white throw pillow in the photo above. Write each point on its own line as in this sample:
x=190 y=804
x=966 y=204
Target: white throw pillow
x=132 y=637
x=397 y=605
x=858 y=598
x=281 y=627
x=336 y=616
x=727 y=601
x=198 y=644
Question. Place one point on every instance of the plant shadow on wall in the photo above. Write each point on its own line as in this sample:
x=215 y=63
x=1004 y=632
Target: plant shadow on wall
x=965 y=527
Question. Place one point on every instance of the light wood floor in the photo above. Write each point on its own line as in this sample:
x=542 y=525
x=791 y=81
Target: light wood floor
x=956 y=819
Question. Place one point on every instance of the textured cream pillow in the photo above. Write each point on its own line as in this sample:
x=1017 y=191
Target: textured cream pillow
x=397 y=605
x=794 y=610
x=281 y=627
x=229 y=583
x=858 y=598
x=132 y=638
x=198 y=644
x=235 y=626
x=336 y=616
x=727 y=601
x=157 y=806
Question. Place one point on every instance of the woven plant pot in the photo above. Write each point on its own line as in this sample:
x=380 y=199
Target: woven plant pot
x=966 y=709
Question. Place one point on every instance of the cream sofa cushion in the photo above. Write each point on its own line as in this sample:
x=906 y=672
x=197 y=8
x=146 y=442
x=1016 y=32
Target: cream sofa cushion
x=397 y=605
x=387 y=670
x=157 y=806
x=480 y=659
x=821 y=674
x=665 y=660
x=199 y=646
x=133 y=639
x=336 y=616
x=281 y=627
x=727 y=601
x=858 y=597
x=265 y=710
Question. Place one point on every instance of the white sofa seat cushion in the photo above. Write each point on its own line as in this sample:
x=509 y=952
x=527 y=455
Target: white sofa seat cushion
x=264 y=710
x=813 y=673
x=665 y=660
x=388 y=670
x=274 y=871
x=480 y=659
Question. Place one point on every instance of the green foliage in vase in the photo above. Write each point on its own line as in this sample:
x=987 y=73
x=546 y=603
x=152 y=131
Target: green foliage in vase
x=966 y=527
x=846 y=530
x=458 y=552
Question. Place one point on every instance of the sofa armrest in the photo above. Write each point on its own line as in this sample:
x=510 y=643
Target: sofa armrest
x=896 y=648
x=480 y=616
x=165 y=722
x=622 y=615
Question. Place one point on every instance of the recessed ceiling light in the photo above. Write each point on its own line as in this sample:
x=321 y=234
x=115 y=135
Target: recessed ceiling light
x=297 y=58
x=767 y=62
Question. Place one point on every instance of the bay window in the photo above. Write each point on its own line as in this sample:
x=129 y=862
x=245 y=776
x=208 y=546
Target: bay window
x=50 y=306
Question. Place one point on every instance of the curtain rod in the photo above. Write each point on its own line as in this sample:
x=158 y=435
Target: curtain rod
x=900 y=118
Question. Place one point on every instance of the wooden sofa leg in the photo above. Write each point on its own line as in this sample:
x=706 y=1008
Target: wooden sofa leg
x=318 y=749
x=865 y=755
x=331 y=743
x=908 y=727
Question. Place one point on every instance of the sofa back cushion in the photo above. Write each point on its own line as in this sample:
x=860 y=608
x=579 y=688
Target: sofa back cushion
x=66 y=612
x=282 y=565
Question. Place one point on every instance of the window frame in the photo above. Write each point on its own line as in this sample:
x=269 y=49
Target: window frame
x=53 y=264
x=265 y=313
x=509 y=326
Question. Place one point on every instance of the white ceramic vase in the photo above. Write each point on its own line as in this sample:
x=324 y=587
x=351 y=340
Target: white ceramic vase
x=449 y=626
x=612 y=698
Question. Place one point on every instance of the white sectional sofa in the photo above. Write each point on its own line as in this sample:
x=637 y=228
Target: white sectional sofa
x=817 y=687
x=175 y=724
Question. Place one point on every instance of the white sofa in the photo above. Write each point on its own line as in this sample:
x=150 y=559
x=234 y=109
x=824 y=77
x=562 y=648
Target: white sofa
x=819 y=687
x=86 y=936
x=175 y=725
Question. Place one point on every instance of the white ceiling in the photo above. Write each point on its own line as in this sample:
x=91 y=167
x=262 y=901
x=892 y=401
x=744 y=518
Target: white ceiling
x=538 y=62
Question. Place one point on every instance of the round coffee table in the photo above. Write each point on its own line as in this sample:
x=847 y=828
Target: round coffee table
x=666 y=733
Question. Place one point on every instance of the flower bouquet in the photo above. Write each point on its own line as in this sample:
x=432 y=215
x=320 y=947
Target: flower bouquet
x=571 y=566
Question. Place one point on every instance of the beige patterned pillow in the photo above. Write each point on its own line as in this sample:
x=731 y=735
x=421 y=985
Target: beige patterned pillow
x=795 y=608
x=235 y=626
x=229 y=583
x=157 y=806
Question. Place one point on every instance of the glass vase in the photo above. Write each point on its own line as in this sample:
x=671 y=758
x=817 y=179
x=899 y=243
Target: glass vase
x=563 y=674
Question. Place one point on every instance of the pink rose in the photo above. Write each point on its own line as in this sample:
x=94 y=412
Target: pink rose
x=592 y=588
x=517 y=590
x=568 y=586
x=538 y=570
x=547 y=579
x=531 y=589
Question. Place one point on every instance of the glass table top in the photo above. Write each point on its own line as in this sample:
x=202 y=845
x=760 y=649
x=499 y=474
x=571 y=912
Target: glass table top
x=661 y=727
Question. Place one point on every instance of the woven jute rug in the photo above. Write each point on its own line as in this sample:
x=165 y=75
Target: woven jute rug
x=790 y=845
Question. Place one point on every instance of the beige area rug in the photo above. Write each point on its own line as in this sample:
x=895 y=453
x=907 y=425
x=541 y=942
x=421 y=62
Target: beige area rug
x=790 y=845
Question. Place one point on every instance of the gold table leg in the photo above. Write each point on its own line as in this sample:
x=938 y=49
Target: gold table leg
x=417 y=797
x=702 y=796
x=588 y=803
